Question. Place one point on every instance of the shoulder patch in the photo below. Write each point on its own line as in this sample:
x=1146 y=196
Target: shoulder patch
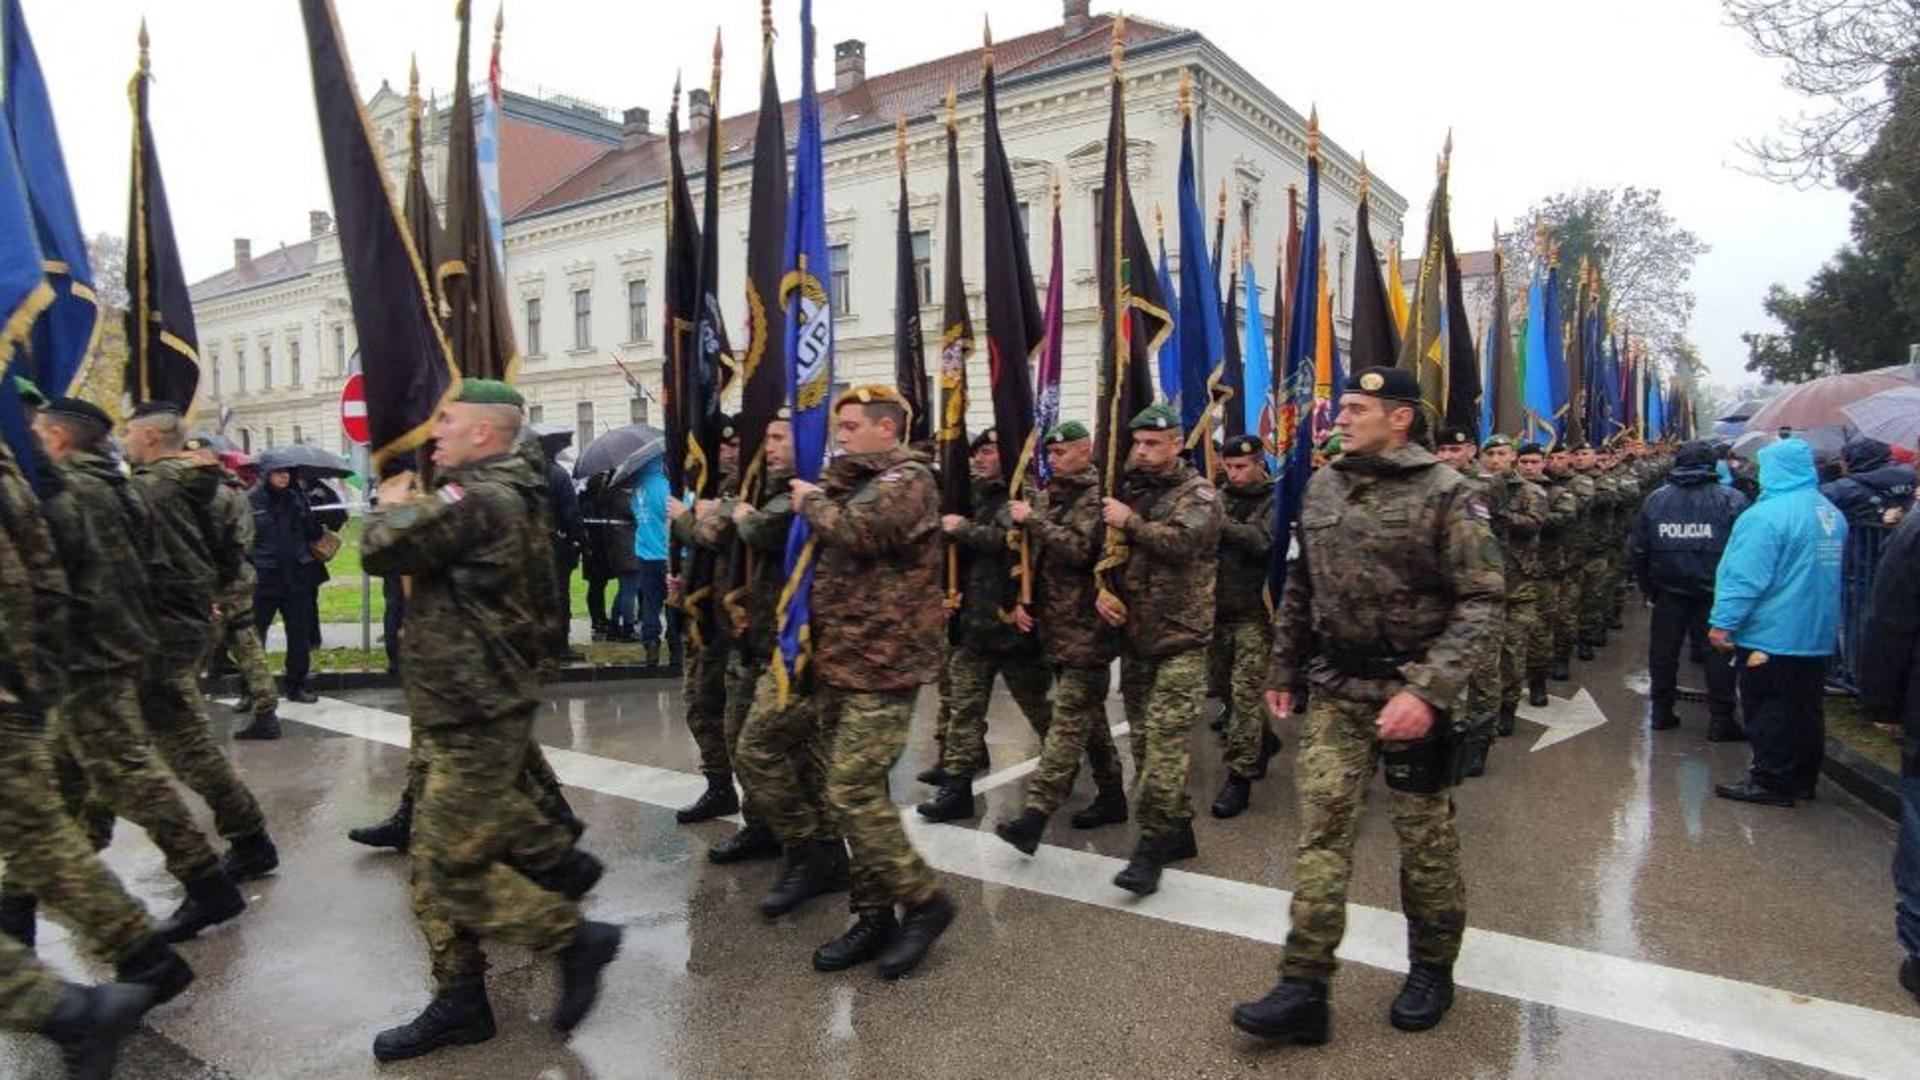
x=452 y=493
x=1207 y=493
x=892 y=476
x=1477 y=508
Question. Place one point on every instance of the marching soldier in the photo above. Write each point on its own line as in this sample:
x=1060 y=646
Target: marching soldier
x=233 y=516
x=1066 y=538
x=1242 y=626
x=476 y=635
x=1542 y=568
x=704 y=682
x=1569 y=494
x=1396 y=590
x=1478 y=716
x=991 y=645
x=1519 y=511
x=878 y=617
x=1170 y=517
x=1597 y=503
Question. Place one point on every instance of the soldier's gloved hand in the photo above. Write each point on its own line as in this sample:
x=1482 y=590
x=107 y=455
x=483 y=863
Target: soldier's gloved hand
x=1114 y=512
x=952 y=523
x=1404 y=718
x=1019 y=511
x=1280 y=703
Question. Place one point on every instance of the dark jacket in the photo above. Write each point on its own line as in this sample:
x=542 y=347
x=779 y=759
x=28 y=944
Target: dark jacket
x=1246 y=536
x=1681 y=531
x=1889 y=664
x=607 y=515
x=563 y=507
x=283 y=527
x=1873 y=484
x=991 y=588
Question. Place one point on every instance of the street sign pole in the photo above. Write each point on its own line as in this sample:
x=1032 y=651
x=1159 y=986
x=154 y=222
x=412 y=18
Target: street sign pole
x=353 y=421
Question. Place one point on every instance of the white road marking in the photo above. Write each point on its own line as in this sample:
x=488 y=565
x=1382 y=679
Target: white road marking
x=1564 y=717
x=1741 y=1016
x=1021 y=768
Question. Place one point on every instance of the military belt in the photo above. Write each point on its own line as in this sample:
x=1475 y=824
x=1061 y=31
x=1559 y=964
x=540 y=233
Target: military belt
x=1359 y=665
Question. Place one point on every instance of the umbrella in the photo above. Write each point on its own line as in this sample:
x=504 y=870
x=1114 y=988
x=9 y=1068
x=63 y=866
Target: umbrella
x=649 y=451
x=553 y=438
x=1744 y=410
x=209 y=440
x=1748 y=446
x=1892 y=416
x=1819 y=403
x=607 y=452
x=300 y=456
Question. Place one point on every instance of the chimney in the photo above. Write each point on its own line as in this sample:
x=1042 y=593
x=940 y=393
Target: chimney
x=1076 y=18
x=319 y=224
x=242 y=253
x=699 y=107
x=849 y=65
x=635 y=126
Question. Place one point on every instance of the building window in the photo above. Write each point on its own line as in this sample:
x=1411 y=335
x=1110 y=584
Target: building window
x=1099 y=219
x=583 y=318
x=842 y=284
x=637 y=309
x=533 y=326
x=246 y=440
x=536 y=414
x=637 y=410
x=269 y=438
x=266 y=372
x=923 y=263
x=297 y=440
x=293 y=364
x=240 y=365
x=1340 y=285
x=583 y=424
x=213 y=363
x=1026 y=229
x=339 y=350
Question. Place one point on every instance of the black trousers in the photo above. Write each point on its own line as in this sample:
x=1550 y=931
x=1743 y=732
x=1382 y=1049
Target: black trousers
x=1675 y=619
x=395 y=613
x=297 y=608
x=597 y=601
x=1782 y=701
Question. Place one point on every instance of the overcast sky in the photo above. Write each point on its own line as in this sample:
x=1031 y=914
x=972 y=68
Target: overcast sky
x=1665 y=92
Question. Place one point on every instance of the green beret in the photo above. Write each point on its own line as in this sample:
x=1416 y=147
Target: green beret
x=1331 y=444
x=1156 y=417
x=1243 y=446
x=1067 y=431
x=1385 y=383
x=29 y=391
x=989 y=437
x=1496 y=440
x=80 y=410
x=489 y=392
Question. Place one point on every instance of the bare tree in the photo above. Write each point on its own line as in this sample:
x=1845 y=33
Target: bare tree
x=108 y=254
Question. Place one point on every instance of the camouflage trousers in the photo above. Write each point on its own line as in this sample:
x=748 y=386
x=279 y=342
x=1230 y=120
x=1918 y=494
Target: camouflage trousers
x=48 y=855
x=1247 y=648
x=1338 y=752
x=704 y=689
x=531 y=844
x=1566 y=625
x=782 y=758
x=241 y=640
x=1480 y=704
x=1163 y=697
x=969 y=689
x=176 y=719
x=470 y=814
x=1592 y=616
x=742 y=675
x=1520 y=631
x=869 y=734
x=1546 y=616
x=29 y=993
x=1078 y=726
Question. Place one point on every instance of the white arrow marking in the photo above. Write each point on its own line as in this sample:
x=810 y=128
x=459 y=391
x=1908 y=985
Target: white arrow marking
x=1564 y=717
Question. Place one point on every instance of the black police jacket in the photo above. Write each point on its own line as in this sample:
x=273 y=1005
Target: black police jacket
x=1865 y=496
x=1681 y=531
x=1889 y=664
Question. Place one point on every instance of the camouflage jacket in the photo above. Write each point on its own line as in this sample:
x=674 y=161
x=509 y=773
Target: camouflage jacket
x=1397 y=567
x=476 y=630
x=16 y=650
x=96 y=522
x=191 y=562
x=1519 y=515
x=713 y=559
x=1246 y=539
x=1598 y=505
x=233 y=516
x=992 y=560
x=43 y=676
x=1558 y=533
x=1066 y=536
x=878 y=602
x=1174 y=551
x=755 y=568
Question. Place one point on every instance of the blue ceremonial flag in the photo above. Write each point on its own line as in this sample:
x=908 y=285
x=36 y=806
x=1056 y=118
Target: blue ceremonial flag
x=1489 y=371
x=24 y=295
x=1539 y=368
x=1292 y=436
x=809 y=356
x=1556 y=353
x=1169 y=358
x=1203 y=341
x=1256 y=402
x=64 y=339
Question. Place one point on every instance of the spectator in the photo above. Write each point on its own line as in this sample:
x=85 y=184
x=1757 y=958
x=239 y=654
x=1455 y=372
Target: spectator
x=649 y=585
x=569 y=537
x=284 y=529
x=607 y=554
x=1874 y=493
x=1675 y=551
x=330 y=510
x=1890 y=692
x=1777 y=609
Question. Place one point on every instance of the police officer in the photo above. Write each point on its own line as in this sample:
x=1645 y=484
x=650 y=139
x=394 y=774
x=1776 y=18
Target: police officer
x=1397 y=588
x=1242 y=626
x=1678 y=538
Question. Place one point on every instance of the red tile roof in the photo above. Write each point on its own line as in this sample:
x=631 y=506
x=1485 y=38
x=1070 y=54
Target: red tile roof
x=534 y=157
x=289 y=261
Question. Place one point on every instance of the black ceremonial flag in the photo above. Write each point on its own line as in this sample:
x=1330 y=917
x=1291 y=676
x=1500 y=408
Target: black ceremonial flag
x=1463 y=361
x=764 y=371
x=423 y=222
x=469 y=283
x=1015 y=327
x=163 y=351
x=1376 y=340
x=909 y=350
x=956 y=346
x=685 y=467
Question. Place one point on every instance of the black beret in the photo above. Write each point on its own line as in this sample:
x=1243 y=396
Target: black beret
x=729 y=428
x=155 y=408
x=1453 y=436
x=1243 y=446
x=989 y=437
x=1386 y=383
x=1526 y=448
x=79 y=409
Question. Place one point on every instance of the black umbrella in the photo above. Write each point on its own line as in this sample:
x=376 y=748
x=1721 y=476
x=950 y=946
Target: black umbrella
x=610 y=451
x=650 y=451
x=301 y=457
x=210 y=440
x=553 y=438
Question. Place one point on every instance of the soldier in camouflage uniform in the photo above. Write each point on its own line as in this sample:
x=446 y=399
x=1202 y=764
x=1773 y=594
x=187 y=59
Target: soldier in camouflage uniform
x=878 y=617
x=991 y=644
x=235 y=633
x=477 y=635
x=1596 y=535
x=1567 y=642
x=88 y=1023
x=1478 y=715
x=1242 y=625
x=704 y=682
x=1519 y=512
x=1560 y=540
x=1541 y=567
x=1170 y=517
x=189 y=562
x=1397 y=587
x=1065 y=534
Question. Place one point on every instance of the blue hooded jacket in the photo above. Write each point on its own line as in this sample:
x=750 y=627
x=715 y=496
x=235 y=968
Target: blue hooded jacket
x=1778 y=589
x=650 y=512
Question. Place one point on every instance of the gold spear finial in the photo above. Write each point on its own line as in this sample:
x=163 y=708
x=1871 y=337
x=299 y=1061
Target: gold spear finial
x=1313 y=132
x=1186 y=94
x=716 y=48
x=1221 y=214
x=144 y=64
x=986 y=42
x=674 y=109
x=499 y=22
x=413 y=89
x=900 y=140
x=1446 y=154
x=1366 y=178
x=766 y=21
x=1159 y=223
x=953 y=120
x=1119 y=39
x=1056 y=193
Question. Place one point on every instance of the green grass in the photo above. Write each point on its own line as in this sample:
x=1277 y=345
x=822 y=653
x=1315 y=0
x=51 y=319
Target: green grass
x=1845 y=723
x=375 y=659
x=340 y=597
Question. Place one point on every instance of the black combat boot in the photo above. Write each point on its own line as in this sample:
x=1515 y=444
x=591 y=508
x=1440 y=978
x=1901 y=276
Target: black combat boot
x=1109 y=807
x=156 y=966
x=1423 y=999
x=250 y=857
x=1024 y=831
x=593 y=947
x=211 y=898
x=1504 y=724
x=955 y=802
x=1536 y=689
x=300 y=695
x=873 y=929
x=934 y=777
x=1584 y=650
x=1617 y=622
x=718 y=800
x=1660 y=716
x=1180 y=844
x=814 y=868
x=1725 y=729
x=1269 y=747
x=457 y=1016
x=395 y=832
x=1561 y=670
x=1910 y=976
x=573 y=877
x=1234 y=796
x=264 y=726
x=244 y=706
x=749 y=844
x=920 y=926
x=1477 y=750
x=17 y=918
x=1294 y=1011
x=1219 y=723
x=91 y=1024
x=1141 y=875
x=1600 y=638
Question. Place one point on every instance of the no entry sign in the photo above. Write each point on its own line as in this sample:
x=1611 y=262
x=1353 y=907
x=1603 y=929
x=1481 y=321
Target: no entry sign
x=353 y=409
